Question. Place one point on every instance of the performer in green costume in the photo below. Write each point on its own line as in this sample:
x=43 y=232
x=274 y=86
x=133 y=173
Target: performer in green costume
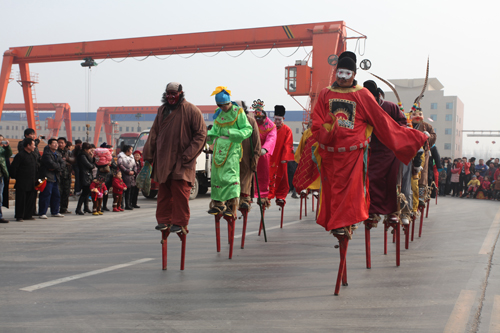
x=230 y=128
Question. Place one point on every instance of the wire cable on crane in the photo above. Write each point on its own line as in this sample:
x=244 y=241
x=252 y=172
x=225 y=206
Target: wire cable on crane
x=288 y=56
x=211 y=56
x=265 y=55
x=118 y=61
x=358 y=47
x=163 y=58
x=150 y=53
x=236 y=56
x=188 y=56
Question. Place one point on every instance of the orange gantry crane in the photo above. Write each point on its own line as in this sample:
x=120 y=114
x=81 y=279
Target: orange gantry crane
x=103 y=116
x=328 y=39
x=62 y=113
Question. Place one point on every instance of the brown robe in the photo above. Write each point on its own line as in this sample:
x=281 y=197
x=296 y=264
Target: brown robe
x=422 y=127
x=248 y=164
x=175 y=142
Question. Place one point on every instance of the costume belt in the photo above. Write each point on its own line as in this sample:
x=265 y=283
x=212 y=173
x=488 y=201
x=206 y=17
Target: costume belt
x=346 y=149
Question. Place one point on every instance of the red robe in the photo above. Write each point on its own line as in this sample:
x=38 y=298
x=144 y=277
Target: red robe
x=350 y=114
x=283 y=151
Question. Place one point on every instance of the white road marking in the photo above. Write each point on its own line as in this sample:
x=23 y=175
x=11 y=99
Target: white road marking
x=495 y=318
x=461 y=312
x=491 y=237
x=267 y=229
x=79 y=276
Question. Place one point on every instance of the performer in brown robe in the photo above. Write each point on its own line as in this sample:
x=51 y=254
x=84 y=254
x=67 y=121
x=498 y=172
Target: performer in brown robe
x=383 y=166
x=175 y=140
x=248 y=163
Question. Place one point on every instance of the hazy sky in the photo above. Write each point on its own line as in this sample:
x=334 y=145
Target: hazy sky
x=458 y=36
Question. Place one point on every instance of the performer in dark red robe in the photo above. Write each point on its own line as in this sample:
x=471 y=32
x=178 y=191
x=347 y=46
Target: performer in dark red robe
x=343 y=119
x=383 y=167
x=283 y=152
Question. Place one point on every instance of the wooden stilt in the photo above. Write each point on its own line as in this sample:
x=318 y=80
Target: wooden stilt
x=260 y=225
x=413 y=218
x=406 y=230
x=164 y=237
x=398 y=242
x=282 y=207
x=421 y=221
x=386 y=227
x=427 y=211
x=231 y=222
x=342 y=273
x=217 y=231
x=368 y=225
x=244 y=214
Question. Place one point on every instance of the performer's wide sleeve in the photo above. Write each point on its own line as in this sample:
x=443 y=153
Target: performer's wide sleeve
x=288 y=149
x=150 y=146
x=300 y=148
x=270 y=141
x=198 y=138
x=403 y=141
x=433 y=136
x=325 y=124
x=243 y=129
x=213 y=133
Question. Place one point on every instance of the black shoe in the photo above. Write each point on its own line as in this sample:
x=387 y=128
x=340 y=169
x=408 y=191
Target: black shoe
x=79 y=212
x=105 y=209
x=228 y=212
x=161 y=227
x=175 y=228
x=2 y=220
x=339 y=231
x=215 y=211
x=244 y=205
x=19 y=220
x=129 y=208
x=295 y=196
x=86 y=210
x=135 y=206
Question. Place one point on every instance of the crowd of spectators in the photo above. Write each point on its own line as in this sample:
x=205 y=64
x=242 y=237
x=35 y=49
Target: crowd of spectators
x=465 y=179
x=49 y=174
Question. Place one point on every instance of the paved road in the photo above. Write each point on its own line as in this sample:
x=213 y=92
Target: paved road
x=448 y=281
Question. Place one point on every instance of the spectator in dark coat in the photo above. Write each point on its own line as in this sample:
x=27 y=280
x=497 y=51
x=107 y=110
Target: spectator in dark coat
x=76 y=169
x=5 y=154
x=126 y=164
x=24 y=169
x=30 y=133
x=65 y=179
x=85 y=161
x=51 y=168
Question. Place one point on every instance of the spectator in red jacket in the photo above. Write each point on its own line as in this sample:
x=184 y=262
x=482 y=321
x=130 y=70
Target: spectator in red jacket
x=118 y=188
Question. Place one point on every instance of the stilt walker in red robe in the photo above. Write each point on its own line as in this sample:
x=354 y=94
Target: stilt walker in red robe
x=267 y=132
x=343 y=119
x=283 y=152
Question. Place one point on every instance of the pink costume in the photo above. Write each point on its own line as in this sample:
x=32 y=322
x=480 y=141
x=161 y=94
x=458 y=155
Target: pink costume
x=268 y=140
